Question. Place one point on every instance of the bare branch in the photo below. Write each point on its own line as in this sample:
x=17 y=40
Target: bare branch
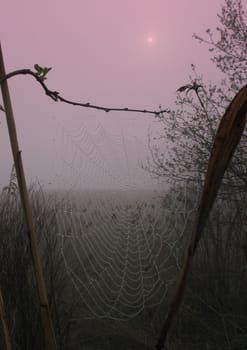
x=55 y=96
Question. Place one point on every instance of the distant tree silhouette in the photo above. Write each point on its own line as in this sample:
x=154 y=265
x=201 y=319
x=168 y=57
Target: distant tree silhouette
x=181 y=149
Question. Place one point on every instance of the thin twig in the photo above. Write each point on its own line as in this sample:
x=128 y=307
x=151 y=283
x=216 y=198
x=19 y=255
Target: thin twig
x=55 y=96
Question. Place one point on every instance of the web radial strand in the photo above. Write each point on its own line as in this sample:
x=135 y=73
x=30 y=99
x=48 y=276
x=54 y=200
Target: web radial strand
x=116 y=244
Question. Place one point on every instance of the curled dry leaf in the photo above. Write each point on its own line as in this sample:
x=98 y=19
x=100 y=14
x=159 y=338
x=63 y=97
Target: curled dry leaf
x=227 y=138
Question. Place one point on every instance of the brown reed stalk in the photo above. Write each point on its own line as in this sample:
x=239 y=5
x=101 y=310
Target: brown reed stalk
x=39 y=277
x=227 y=138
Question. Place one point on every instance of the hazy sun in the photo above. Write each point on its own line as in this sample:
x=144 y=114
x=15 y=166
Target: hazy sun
x=150 y=39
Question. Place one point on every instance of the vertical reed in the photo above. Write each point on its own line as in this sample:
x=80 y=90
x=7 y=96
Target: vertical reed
x=39 y=277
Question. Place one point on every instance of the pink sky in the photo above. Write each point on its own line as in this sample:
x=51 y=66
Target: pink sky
x=100 y=53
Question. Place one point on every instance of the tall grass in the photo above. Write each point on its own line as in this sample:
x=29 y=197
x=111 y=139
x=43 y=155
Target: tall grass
x=214 y=311
x=213 y=314
x=16 y=273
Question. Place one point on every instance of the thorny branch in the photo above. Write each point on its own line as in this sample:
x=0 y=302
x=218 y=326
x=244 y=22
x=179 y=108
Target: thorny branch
x=55 y=96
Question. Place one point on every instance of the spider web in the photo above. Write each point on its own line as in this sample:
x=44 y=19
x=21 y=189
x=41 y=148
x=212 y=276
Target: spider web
x=117 y=244
x=98 y=159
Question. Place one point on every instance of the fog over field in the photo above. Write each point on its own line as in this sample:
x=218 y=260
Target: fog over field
x=117 y=54
x=116 y=212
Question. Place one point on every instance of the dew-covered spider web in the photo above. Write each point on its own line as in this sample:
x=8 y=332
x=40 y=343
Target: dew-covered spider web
x=118 y=241
x=97 y=159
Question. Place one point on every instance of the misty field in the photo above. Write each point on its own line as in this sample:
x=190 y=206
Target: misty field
x=111 y=260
